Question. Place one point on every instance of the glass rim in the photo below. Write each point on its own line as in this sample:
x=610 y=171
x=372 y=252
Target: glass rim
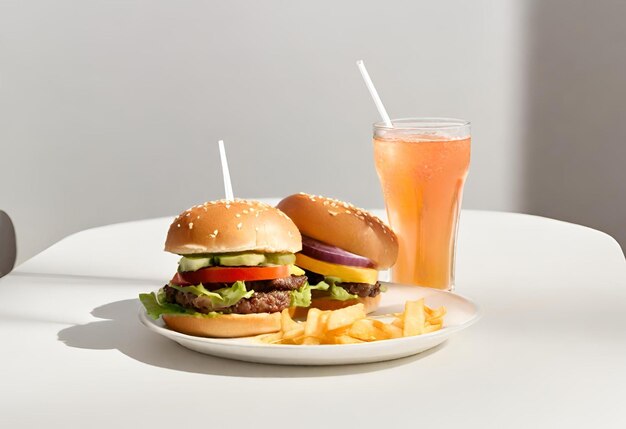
x=423 y=124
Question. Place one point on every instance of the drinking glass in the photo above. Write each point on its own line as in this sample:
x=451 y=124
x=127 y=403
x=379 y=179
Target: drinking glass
x=422 y=164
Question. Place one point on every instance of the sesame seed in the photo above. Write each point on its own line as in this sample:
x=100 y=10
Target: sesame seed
x=227 y=206
x=215 y=232
x=332 y=213
x=190 y=225
x=238 y=215
x=239 y=225
x=198 y=217
x=348 y=212
x=245 y=211
x=252 y=209
x=178 y=225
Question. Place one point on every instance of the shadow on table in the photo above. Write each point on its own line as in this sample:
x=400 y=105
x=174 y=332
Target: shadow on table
x=122 y=331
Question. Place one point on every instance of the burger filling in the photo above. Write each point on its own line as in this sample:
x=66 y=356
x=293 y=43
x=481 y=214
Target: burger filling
x=353 y=289
x=330 y=279
x=268 y=296
x=236 y=283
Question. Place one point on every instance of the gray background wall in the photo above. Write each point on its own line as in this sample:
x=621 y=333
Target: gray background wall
x=110 y=110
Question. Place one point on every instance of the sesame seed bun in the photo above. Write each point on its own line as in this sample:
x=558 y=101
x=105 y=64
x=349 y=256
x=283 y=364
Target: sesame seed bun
x=232 y=226
x=343 y=225
x=224 y=326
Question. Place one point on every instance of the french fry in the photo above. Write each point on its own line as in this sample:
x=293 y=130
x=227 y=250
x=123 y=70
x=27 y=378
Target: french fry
x=287 y=323
x=435 y=321
x=274 y=338
x=391 y=330
x=347 y=339
x=294 y=333
x=323 y=323
x=435 y=317
x=361 y=329
x=312 y=326
x=414 y=318
x=398 y=323
x=350 y=325
x=345 y=316
x=331 y=336
x=368 y=330
x=435 y=314
x=431 y=328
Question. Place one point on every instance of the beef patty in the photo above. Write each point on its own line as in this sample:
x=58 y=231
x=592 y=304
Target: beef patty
x=270 y=296
x=363 y=290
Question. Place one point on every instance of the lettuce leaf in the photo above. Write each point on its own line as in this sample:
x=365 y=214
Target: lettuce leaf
x=320 y=286
x=340 y=294
x=301 y=297
x=334 y=291
x=155 y=306
x=220 y=298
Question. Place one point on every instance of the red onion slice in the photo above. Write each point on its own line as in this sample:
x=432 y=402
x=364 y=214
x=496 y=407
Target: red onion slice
x=325 y=252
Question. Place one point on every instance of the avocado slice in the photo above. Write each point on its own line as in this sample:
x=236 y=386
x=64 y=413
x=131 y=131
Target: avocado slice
x=243 y=259
x=196 y=262
x=280 y=258
x=193 y=263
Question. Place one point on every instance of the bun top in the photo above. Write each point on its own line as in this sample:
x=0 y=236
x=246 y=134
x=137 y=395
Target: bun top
x=343 y=225
x=232 y=226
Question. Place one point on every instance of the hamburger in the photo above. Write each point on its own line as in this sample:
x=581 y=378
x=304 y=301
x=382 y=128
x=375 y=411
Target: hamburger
x=236 y=272
x=343 y=248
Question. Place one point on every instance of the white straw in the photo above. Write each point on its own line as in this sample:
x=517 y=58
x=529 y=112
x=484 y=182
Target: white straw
x=374 y=93
x=228 y=187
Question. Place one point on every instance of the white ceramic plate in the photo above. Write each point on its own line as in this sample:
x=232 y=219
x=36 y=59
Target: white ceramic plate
x=461 y=313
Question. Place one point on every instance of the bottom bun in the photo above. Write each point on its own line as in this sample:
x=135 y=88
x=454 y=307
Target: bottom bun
x=371 y=304
x=224 y=326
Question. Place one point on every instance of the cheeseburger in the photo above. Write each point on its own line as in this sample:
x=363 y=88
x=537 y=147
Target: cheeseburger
x=236 y=271
x=343 y=248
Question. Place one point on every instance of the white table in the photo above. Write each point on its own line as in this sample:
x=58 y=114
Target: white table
x=550 y=349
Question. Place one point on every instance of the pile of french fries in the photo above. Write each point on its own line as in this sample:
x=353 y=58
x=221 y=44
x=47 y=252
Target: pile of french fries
x=350 y=325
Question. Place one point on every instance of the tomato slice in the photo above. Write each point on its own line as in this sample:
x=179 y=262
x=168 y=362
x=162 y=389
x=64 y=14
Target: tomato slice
x=230 y=275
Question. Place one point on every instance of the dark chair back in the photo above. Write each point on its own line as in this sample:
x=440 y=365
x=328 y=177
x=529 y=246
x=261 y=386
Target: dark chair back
x=8 y=247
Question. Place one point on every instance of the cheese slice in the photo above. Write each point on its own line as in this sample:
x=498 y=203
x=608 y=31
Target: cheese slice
x=344 y=272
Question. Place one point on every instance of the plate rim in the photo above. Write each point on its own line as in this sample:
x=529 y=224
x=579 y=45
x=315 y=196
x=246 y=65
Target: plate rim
x=153 y=325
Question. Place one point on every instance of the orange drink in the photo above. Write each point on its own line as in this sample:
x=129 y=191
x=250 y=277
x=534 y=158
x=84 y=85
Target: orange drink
x=422 y=165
